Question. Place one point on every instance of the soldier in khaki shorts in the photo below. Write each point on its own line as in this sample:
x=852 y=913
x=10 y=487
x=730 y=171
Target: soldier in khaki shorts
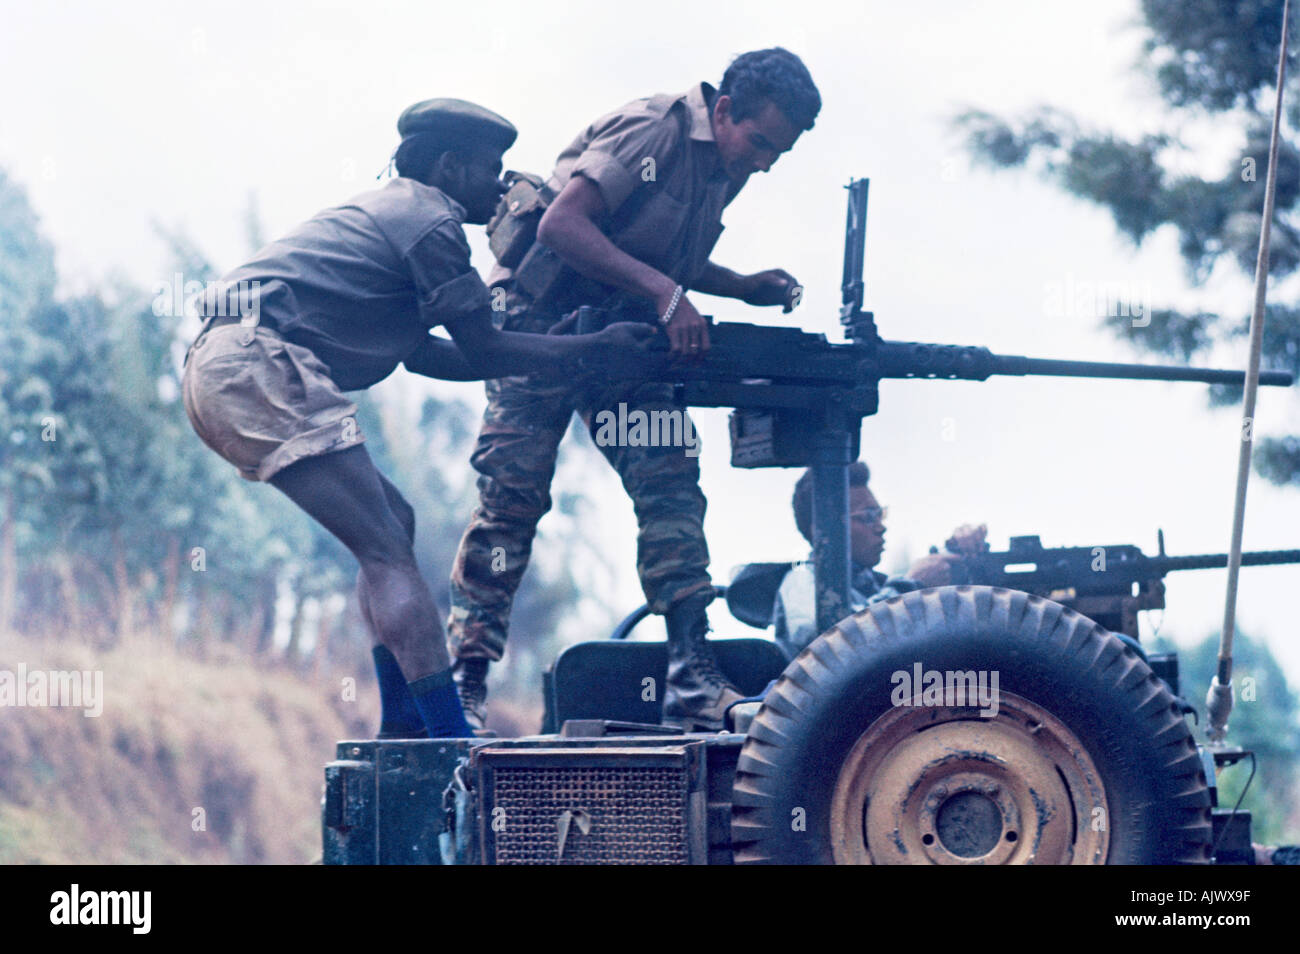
x=335 y=306
x=637 y=209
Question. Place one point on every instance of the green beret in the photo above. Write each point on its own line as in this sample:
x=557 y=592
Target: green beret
x=454 y=121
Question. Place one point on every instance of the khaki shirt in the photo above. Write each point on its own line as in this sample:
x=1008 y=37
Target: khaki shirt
x=361 y=284
x=657 y=167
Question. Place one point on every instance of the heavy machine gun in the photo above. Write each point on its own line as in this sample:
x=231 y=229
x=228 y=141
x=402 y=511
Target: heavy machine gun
x=799 y=399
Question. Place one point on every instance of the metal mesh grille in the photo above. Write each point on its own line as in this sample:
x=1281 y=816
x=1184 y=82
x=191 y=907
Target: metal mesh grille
x=637 y=815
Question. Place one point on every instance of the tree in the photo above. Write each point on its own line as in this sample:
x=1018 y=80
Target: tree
x=1206 y=57
x=47 y=457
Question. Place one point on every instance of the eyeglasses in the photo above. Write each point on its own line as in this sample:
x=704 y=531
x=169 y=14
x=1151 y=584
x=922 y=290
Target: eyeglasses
x=870 y=515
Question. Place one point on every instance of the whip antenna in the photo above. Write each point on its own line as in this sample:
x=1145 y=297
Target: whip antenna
x=1218 y=702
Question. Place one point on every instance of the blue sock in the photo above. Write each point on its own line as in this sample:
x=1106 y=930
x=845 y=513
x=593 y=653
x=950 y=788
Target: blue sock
x=400 y=718
x=436 y=698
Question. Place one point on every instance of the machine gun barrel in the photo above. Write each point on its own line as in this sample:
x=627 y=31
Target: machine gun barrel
x=915 y=359
x=775 y=355
x=1212 y=561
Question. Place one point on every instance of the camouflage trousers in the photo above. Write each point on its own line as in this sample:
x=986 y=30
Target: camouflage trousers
x=515 y=457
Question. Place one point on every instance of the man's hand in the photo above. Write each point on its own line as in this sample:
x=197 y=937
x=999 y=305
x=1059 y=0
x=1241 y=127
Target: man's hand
x=619 y=348
x=688 y=332
x=623 y=336
x=967 y=540
x=567 y=325
x=772 y=287
x=934 y=570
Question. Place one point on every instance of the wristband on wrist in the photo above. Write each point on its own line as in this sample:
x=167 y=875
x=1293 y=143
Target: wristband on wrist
x=672 y=307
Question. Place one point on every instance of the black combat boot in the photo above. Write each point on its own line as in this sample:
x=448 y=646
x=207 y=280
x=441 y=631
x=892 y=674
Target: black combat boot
x=470 y=676
x=697 y=694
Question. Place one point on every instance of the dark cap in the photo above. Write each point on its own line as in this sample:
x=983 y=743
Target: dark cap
x=455 y=121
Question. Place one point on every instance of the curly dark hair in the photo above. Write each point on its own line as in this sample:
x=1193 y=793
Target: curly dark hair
x=776 y=76
x=859 y=476
x=417 y=153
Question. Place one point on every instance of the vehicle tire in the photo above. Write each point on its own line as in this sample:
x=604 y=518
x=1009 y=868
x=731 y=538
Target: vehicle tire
x=1081 y=755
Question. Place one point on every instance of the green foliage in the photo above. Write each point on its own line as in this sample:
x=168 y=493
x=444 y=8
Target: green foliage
x=1277 y=458
x=49 y=457
x=1123 y=176
x=26 y=259
x=1215 y=56
x=1168 y=332
x=1265 y=719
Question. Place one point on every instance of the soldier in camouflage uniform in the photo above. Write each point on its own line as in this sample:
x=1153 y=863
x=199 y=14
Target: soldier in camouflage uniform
x=638 y=201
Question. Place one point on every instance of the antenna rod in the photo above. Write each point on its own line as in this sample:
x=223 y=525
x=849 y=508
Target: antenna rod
x=1218 y=702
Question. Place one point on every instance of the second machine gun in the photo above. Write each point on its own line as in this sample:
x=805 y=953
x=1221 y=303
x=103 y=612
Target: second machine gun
x=799 y=399
x=1108 y=584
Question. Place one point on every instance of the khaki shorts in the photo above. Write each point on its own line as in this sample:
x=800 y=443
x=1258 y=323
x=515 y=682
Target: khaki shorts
x=264 y=405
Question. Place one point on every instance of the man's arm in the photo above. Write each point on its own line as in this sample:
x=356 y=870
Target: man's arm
x=569 y=227
x=716 y=280
x=492 y=353
x=936 y=569
x=771 y=287
x=452 y=294
x=440 y=358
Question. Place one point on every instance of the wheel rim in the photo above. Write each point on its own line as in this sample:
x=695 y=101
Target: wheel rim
x=938 y=785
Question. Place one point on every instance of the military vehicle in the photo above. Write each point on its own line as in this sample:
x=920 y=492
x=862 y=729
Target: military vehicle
x=1015 y=718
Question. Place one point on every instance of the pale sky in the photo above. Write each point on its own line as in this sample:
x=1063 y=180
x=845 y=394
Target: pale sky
x=120 y=115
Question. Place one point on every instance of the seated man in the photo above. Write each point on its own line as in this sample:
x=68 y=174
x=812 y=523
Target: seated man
x=335 y=306
x=795 y=615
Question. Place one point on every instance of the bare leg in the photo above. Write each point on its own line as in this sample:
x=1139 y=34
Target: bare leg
x=346 y=494
x=406 y=515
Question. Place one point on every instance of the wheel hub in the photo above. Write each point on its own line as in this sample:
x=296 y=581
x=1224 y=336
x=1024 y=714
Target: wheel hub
x=937 y=785
x=970 y=824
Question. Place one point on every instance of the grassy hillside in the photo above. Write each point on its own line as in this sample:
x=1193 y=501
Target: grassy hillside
x=243 y=742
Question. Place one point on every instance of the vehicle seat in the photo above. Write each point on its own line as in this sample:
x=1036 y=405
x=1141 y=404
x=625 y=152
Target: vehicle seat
x=607 y=679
